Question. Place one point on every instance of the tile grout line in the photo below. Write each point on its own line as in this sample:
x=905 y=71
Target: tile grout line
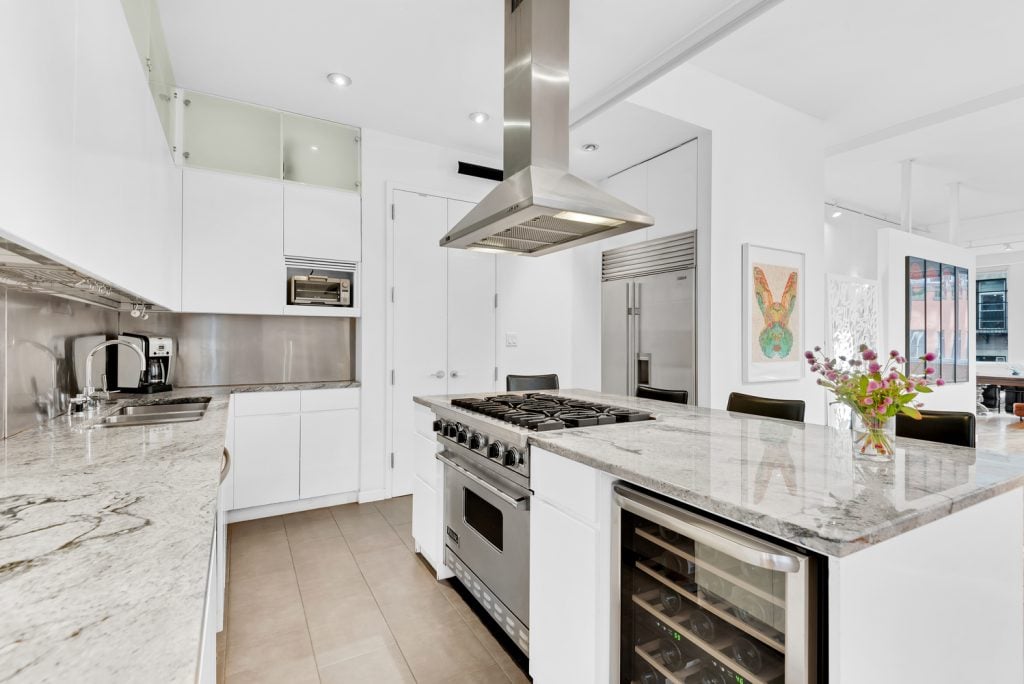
x=302 y=603
x=372 y=594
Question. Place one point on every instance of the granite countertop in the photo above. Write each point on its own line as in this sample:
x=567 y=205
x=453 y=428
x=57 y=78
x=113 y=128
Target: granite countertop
x=793 y=481
x=105 y=542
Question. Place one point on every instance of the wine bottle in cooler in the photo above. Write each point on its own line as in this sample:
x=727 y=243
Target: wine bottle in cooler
x=706 y=626
x=646 y=674
x=674 y=654
x=752 y=655
x=671 y=601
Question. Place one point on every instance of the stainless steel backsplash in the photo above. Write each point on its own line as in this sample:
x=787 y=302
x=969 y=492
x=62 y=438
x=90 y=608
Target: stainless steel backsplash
x=46 y=338
x=214 y=349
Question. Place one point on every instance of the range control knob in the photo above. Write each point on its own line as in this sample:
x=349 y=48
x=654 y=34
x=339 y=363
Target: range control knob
x=476 y=441
x=495 y=451
x=438 y=425
x=462 y=436
x=451 y=430
x=512 y=456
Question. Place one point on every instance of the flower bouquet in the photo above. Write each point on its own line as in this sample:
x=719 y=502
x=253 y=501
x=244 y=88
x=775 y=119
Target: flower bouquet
x=875 y=391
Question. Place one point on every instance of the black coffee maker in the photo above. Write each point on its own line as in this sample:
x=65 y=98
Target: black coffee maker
x=158 y=352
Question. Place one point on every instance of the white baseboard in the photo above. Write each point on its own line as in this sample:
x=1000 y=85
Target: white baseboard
x=286 y=507
x=373 y=495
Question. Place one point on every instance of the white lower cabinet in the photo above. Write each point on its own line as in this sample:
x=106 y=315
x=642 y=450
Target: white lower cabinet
x=327 y=463
x=207 y=671
x=266 y=459
x=570 y=571
x=293 y=446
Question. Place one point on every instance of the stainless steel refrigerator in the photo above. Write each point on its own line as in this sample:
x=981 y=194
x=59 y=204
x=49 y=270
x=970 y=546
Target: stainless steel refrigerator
x=648 y=311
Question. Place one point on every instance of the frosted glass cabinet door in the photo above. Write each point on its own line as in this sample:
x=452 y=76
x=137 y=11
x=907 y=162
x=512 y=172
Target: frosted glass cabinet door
x=320 y=152
x=231 y=136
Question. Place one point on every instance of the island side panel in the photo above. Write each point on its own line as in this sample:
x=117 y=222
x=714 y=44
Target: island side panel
x=942 y=603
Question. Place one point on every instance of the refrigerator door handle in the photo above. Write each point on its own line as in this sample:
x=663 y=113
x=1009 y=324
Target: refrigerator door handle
x=629 y=336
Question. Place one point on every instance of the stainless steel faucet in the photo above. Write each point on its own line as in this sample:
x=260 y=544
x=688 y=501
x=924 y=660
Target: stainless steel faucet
x=89 y=390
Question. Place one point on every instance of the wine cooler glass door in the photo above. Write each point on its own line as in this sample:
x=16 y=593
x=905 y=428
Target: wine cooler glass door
x=702 y=603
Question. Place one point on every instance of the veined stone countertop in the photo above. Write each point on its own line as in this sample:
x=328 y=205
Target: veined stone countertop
x=793 y=481
x=105 y=541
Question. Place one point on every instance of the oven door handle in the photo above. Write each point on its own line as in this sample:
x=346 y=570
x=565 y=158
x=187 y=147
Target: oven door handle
x=516 y=502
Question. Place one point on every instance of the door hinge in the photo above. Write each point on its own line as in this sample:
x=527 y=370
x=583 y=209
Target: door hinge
x=392 y=376
x=495 y=373
x=392 y=211
x=392 y=295
x=495 y=300
x=392 y=460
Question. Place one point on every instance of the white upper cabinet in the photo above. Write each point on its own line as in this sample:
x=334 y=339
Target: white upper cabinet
x=232 y=244
x=672 y=191
x=321 y=223
x=91 y=181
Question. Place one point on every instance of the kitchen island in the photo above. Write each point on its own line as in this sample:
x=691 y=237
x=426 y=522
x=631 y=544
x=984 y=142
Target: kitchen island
x=107 y=543
x=924 y=576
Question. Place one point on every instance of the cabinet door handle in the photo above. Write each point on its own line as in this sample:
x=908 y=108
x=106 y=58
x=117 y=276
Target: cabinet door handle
x=455 y=374
x=225 y=464
x=439 y=374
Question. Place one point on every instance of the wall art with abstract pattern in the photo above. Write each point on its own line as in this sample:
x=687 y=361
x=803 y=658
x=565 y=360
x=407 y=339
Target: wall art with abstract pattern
x=773 y=314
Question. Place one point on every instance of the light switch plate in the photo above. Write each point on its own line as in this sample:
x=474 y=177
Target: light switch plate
x=511 y=339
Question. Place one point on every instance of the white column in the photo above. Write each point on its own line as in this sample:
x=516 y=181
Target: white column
x=954 y=212
x=906 y=176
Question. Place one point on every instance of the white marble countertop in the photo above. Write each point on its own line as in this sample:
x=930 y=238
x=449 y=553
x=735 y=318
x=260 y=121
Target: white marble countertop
x=793 y=481
x=105 y=540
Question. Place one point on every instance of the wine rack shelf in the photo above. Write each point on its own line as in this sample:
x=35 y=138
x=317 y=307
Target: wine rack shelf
x=718 y=649
x=655 y=661
x=714 y=569
x=710 y=607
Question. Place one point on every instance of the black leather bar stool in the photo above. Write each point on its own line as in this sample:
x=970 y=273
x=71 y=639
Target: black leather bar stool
x=528 y=383
x=947 y=427
x=674 y=396
x=766 y=407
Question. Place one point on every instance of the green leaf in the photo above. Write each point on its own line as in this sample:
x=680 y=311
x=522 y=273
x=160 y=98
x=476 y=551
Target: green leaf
x=924 y=389
x=907 y=398
x=912 y=412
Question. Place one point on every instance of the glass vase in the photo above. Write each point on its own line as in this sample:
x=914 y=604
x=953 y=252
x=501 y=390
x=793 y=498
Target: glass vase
x=874 y=438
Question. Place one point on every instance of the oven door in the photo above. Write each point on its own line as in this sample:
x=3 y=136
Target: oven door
x=487 y=526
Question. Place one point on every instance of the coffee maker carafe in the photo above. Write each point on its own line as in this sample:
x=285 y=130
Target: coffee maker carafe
x=157 y=378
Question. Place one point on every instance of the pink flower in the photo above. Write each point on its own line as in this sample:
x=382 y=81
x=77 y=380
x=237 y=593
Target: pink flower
x=940 y=382
x=930 y=356
x=808 y=355
x=869 y=355
x=893 y=354
x=929 y=370
x=874 y=385
x=894 y=376
x=832 y=376
x=901 y=359
x=868 y=401
x=873 y=367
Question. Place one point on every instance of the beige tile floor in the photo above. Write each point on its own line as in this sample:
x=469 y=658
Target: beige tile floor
x=338 y=595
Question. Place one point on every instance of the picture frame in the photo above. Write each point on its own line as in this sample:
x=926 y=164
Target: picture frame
x=774 y=332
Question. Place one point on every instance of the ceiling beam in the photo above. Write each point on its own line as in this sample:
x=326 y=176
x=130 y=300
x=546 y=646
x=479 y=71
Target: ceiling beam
x=684 y=49
x=941 y=116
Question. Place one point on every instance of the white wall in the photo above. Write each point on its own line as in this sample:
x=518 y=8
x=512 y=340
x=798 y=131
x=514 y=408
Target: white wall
x=767 y=188
x=894 y=246
x=851 y=246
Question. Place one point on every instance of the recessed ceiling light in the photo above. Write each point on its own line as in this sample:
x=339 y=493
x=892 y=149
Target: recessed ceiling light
x=479 y=117
x=591 y=147
x=340 y=80
x=836 y=213
x=314 y=148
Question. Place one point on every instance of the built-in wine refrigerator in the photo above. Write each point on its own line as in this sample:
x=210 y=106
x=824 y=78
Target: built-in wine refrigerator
x=703 y=603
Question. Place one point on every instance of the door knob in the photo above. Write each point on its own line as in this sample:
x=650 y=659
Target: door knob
x=455 y=374
x=439 y=374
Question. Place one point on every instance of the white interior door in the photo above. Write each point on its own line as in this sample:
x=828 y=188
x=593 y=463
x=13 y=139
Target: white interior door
x=419 y=321
x=471 y=338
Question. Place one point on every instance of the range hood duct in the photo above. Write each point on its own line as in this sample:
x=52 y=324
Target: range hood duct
x=540 y=207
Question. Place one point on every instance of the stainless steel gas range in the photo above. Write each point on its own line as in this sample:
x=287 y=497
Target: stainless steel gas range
x=485 y=449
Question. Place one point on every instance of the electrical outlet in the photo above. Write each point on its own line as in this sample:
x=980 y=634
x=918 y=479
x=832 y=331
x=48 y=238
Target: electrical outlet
x=511 y=339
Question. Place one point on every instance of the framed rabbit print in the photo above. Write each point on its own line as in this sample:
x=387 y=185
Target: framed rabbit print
x=773 y=314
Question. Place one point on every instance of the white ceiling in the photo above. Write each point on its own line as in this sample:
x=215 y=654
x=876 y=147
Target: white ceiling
x=937 y=81
x=418 y=68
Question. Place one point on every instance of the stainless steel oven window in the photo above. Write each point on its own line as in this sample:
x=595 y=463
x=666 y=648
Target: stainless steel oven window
x=484 y=518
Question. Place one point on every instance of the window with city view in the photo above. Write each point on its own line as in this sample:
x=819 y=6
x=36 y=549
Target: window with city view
x=992 y=336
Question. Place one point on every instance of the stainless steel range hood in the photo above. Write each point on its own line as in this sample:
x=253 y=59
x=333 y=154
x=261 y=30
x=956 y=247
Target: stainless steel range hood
x=540 y=207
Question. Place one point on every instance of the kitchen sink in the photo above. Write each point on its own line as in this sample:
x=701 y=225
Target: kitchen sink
x=156 y=414
x=162 y=409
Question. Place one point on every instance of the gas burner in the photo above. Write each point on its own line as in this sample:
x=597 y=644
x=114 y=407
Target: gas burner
x=541 y=411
